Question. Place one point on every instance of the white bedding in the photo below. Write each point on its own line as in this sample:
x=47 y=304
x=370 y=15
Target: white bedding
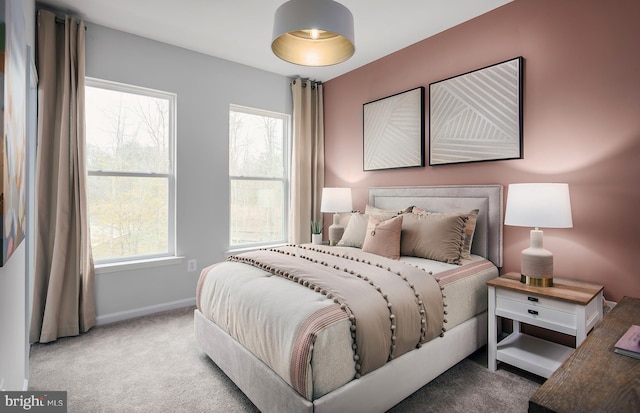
x=331 y=364
x=241 y=306
x=465 y=292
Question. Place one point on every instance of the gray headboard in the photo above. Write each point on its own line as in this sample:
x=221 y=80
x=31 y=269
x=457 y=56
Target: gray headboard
x=487 y=239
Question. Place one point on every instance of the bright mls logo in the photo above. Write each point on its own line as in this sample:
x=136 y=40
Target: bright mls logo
x=33 y=401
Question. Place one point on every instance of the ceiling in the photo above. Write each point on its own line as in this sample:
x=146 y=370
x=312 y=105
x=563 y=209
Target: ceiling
x=241 y=30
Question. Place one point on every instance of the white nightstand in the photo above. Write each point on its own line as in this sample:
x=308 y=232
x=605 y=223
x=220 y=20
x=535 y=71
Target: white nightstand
x=569 y=307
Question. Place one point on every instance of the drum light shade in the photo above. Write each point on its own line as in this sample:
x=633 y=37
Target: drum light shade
x=313 y=32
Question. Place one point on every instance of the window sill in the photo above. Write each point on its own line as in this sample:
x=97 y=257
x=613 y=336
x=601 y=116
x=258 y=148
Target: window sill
x=234 y=251
x=138 y=264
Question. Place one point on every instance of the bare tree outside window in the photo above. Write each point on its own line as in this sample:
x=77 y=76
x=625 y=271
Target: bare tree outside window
x=258 y=173
x=130 y=166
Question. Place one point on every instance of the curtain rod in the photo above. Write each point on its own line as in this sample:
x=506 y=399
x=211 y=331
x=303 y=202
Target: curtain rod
x=61 y=20
x=314 y=83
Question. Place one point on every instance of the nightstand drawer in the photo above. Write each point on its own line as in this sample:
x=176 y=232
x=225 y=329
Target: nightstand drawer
x=546 y=314
x=536 y=301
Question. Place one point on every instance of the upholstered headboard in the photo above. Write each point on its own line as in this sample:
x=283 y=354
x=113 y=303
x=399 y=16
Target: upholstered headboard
x=487 y=240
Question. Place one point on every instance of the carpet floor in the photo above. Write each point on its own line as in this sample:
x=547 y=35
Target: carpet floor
x=153 y=364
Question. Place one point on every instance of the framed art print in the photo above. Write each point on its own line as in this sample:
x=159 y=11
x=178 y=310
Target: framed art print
x=477 y=116
x=393 y=131
x=13 y=183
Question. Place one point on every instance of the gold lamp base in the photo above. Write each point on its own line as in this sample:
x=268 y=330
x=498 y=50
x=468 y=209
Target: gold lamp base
x=536 y=282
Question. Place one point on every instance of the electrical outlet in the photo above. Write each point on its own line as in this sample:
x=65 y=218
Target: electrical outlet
x=192 y=265
x=608 y=306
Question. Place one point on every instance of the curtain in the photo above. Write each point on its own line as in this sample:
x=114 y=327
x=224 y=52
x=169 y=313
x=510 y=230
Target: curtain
x=63 y=301
x=307 y=160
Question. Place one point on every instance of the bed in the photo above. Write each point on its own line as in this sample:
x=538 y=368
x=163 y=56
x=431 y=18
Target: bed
x=294 y=342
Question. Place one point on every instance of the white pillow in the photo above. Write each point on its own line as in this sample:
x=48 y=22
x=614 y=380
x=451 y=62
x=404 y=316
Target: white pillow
x=355 y=231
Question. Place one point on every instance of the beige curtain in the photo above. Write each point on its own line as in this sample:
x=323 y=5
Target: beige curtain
x=63 y=301
x=307 y=160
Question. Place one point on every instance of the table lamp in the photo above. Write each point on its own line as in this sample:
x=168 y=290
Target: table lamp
x=336 y=200
x=538 y=205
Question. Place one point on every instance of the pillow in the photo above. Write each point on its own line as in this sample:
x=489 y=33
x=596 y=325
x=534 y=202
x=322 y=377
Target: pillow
x=355 y=231
x=469 y=228
x=438 y=237
x=383 y=214
x=383 y=237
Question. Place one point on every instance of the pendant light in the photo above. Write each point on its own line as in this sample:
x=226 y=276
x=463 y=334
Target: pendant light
x=313 y=32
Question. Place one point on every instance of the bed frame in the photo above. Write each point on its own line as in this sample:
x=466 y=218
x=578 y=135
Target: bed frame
x=383 y=388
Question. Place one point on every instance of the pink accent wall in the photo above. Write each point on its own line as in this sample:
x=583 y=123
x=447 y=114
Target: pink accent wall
x=581 y=124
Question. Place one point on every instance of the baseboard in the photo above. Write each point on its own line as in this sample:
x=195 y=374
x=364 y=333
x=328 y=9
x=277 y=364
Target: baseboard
x=139 y=312
x=25 y=385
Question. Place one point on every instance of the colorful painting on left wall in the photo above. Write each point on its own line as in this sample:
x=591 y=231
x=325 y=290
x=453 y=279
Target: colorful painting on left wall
x=13 y=184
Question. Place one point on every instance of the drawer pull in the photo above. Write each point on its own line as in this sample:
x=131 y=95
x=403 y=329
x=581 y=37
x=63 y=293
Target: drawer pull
x=534 y=299
x=533 y=312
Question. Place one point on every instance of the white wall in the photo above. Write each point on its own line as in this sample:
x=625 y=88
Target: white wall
x=14 y=301
x=13 y=331
x=205 y=86
x=13 y=349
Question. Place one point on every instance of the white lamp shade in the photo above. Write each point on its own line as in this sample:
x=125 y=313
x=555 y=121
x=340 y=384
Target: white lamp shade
x=336 y=200
x=313 y=32
x=539 y=205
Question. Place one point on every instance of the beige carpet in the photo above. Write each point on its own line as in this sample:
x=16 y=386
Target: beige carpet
x=153 y=364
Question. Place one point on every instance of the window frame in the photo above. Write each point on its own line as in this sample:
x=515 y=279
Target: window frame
x=285 y=179
x=147 y=259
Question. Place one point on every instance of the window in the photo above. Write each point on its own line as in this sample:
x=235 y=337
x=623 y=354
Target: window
x=258 y=174
x=130 y=162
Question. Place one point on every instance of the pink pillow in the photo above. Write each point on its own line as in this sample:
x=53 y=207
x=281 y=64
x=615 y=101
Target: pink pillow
x=383 y=237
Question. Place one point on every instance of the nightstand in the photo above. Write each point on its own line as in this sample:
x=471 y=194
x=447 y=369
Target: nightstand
x=569 y=307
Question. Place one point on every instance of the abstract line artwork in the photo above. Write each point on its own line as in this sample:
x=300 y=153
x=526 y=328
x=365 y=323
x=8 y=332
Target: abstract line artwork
x=13 y=186
x=477 y=116
x=393 y=131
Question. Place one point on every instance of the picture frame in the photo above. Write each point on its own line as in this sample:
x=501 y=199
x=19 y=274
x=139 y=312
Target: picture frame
x=477 y=116
x=393 y=131
x=14 y=173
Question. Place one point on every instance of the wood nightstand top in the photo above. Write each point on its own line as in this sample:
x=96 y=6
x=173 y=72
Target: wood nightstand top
x=578 y=292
